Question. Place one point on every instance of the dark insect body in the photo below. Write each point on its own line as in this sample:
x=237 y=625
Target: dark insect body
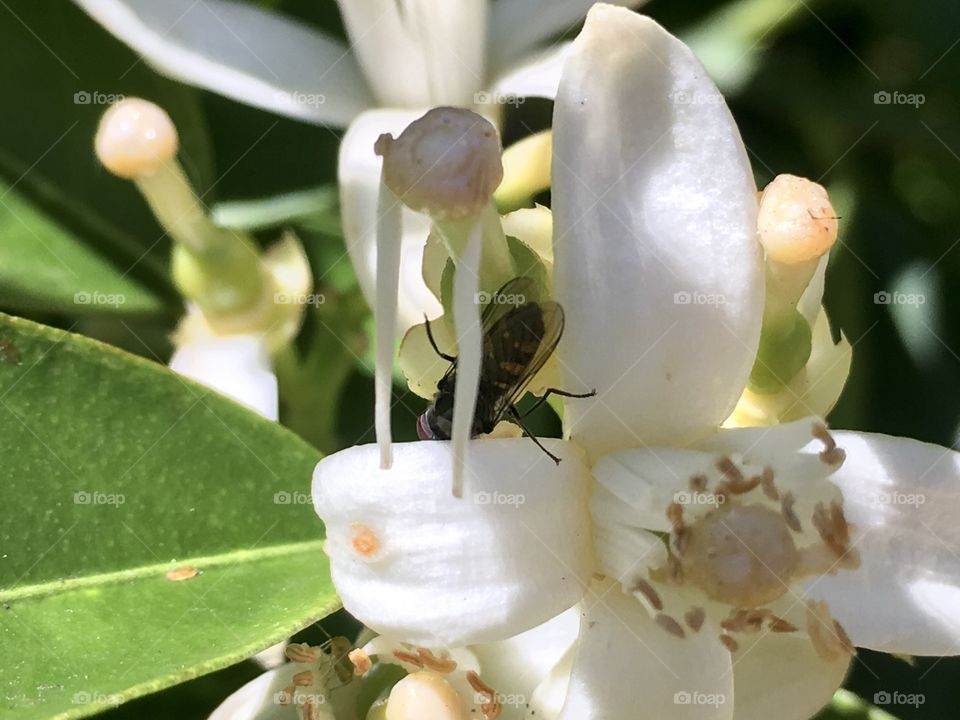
x=519 y=335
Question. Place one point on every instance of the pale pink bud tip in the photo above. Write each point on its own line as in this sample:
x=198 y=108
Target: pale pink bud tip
x=135 y=137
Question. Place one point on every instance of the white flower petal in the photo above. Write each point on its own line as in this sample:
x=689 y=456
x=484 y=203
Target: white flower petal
x=410 y=560
x=517 y=26
x=626 y=661
x=244 y=52
x=237 y=366
x=903 y=498
x=257 y=699
x=538 y=76
x=359 y=176
x=657 y=263
x=516 y=667
x=419 y=53
x=780 y=676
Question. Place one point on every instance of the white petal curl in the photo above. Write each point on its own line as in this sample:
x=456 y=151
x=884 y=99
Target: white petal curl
x=903 y=498
x=657 y=262
x=237 y=366
x=538 y=76
x=241 y=51
x=410 y=560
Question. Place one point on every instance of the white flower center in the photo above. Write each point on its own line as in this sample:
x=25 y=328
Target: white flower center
x=742 y=555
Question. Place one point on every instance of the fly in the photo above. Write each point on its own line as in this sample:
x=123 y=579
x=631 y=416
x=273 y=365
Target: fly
x=519 y=335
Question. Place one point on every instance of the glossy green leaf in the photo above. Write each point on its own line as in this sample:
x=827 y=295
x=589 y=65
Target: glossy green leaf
x=116 y=471
x=44 y=266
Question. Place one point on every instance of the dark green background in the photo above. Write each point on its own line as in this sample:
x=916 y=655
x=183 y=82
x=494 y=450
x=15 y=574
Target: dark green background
x=809 y=110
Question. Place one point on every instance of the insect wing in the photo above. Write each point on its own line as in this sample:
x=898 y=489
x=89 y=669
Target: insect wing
x=515 y=348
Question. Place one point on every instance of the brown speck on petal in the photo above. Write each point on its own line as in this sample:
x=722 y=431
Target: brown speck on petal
x=184 y=572
x=364 y=540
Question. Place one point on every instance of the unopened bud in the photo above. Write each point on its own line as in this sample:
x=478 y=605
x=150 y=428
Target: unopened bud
x=135 y=138
x=446 y=164
x=797 y=223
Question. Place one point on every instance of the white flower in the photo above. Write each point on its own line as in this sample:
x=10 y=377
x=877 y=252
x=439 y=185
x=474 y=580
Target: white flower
x=443 y=685
x=773 y=532
x=403 y=58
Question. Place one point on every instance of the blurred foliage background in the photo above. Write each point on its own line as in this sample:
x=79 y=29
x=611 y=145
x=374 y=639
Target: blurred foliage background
x=802 y=79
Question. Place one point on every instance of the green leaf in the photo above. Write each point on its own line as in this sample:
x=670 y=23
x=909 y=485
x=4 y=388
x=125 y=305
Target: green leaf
x=115 y=472
x=44 y=266
x=46 y=139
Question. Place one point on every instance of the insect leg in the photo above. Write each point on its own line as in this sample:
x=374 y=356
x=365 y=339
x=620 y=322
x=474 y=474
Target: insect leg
x=561 y=393
x=512 y=412
x=433 y=343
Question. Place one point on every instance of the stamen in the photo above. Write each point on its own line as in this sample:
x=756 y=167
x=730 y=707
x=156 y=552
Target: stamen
x=729 y=643
x=670 y=625
x=441 y=664
x=766 y=482
x=466 y=315
x=646 y=589
x=786 y=509
x=698 y=483
x=301 y=653
x=389 y=240
x=835 y=532
x=829 y=639
x=361 y=662
x=303 y=679
x=831 y=454
x=491 y=706
x=695 y=617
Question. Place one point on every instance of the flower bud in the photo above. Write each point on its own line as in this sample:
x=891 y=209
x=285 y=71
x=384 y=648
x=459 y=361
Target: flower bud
x=797 y=223
x=135 y=138
x=446 y=164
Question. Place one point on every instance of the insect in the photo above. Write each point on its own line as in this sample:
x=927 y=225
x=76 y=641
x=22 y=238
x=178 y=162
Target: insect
x=519 y=335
